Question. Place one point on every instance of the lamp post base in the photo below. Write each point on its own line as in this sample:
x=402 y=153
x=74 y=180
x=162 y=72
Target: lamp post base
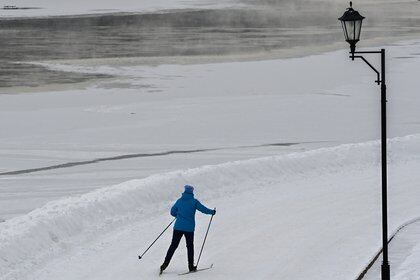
x=385 y=271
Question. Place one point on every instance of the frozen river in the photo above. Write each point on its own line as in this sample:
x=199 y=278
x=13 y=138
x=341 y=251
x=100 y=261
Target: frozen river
x=122 y=96
x=255 y=31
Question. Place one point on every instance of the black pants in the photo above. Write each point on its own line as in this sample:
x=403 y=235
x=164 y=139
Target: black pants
x=176 y=238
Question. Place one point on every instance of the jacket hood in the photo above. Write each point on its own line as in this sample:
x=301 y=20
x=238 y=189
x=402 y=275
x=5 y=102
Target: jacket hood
x=187 y=195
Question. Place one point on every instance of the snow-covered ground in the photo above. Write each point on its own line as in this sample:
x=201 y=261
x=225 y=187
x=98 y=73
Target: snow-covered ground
x=406 y=250
x=42 y=8
x=405 y=254
x=238 y=110
x=310 y=215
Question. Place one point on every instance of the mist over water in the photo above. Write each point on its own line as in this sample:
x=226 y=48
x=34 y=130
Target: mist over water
x=265 y=26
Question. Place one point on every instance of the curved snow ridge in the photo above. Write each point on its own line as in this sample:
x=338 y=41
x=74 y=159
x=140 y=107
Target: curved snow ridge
x=28 y=240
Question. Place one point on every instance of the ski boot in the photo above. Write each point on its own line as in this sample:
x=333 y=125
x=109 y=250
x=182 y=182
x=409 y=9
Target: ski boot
x=162 y=268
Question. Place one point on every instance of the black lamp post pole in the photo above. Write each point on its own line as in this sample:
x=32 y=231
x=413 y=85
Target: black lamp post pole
x=385 y=270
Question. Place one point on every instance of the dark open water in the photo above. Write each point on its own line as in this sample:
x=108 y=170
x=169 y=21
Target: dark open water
x=175 y=33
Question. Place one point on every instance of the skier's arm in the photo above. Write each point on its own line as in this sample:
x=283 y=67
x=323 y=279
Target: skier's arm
x=174 y=210
x=204 y=209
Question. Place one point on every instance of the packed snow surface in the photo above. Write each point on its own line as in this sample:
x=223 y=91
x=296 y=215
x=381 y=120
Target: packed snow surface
x=405 y=254
x=275 y=215
x=407 y=249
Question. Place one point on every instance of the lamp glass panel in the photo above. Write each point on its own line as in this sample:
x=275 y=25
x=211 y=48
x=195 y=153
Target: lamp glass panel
x=350 y=29
x=358 y=28
x=344 y=30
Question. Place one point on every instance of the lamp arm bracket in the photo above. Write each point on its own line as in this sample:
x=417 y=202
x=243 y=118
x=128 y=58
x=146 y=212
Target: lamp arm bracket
x=364 y=52
x=378 y=80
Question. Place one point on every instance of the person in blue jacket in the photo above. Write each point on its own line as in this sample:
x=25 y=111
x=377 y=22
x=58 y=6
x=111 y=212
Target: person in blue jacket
x=184 y=211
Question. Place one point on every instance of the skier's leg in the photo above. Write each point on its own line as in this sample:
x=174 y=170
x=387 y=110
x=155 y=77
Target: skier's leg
x=189 y=238
x=176 y=238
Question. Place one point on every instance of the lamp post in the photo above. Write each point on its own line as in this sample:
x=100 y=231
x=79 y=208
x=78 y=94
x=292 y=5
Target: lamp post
x=351 y=22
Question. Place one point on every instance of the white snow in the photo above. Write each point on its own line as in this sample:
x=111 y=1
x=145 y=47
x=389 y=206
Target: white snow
x=409 y=267
x=320 y=207
x=235 y=108
x=404 y=251
x=317 y=213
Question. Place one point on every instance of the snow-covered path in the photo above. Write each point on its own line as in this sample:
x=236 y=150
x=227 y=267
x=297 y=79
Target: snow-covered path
x=405 y=252
x=407 y=249
x=312 y=215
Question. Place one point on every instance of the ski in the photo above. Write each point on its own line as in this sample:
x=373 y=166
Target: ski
x=200 y=269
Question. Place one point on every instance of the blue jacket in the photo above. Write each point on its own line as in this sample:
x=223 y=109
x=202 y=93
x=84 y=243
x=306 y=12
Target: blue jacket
x=184 y=212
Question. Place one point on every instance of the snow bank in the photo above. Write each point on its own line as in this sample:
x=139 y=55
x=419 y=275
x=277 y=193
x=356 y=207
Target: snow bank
x=28 y=240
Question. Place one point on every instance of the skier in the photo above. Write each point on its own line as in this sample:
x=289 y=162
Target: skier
x=184 y=212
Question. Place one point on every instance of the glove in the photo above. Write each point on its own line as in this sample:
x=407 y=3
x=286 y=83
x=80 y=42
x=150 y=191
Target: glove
x=214 y=212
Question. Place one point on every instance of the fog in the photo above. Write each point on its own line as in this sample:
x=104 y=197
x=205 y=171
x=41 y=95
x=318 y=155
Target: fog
x=261 y=27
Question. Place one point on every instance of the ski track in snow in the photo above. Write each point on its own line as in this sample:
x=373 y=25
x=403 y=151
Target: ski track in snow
x=320 y=207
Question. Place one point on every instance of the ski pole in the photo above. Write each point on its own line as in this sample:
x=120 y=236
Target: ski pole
x=205 y=237
x=156 y=239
